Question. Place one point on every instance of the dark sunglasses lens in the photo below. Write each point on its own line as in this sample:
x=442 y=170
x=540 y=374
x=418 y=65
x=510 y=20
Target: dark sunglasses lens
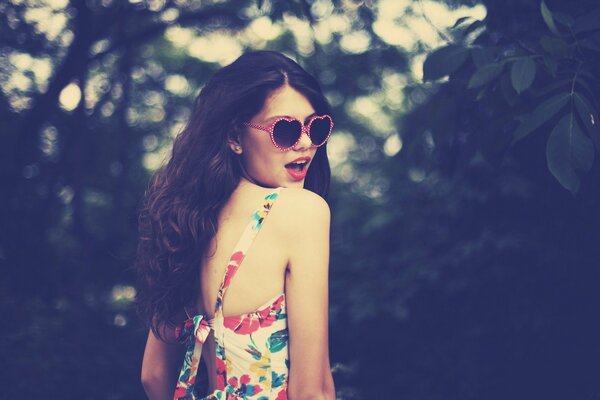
x=286 y=133
x=319 y=130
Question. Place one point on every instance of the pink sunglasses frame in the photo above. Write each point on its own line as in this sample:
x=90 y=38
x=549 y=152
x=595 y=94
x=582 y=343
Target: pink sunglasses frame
x=303 y=128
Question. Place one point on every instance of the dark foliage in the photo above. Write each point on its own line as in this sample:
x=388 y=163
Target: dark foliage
x=464 y=266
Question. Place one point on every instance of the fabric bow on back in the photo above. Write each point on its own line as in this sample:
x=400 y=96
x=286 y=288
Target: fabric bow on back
x=192 y=333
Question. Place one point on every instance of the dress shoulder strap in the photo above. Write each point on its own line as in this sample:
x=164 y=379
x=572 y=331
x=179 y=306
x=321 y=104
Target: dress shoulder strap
x=244 y=243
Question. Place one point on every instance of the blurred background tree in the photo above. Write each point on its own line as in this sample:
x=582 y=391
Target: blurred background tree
x=465 y=192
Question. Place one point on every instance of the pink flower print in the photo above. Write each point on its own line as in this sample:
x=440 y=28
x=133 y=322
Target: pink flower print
x=234 y=262
x=266 y=317
x=242 y=325
x=248 y=323
x=221 y=373
x=180 y=392
x=237 y=257
x=282 y=395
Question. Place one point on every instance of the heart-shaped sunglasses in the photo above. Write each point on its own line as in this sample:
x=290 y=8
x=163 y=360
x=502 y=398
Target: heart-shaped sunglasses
x=285 y=132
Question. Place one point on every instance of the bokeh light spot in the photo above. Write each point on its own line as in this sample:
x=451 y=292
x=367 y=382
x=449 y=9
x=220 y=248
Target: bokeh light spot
x=70 y=96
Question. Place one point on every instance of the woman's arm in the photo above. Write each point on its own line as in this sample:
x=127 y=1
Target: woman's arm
x=307 y=298
x=161 y=365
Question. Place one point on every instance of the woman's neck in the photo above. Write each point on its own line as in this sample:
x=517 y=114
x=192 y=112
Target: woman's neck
x=244 y=181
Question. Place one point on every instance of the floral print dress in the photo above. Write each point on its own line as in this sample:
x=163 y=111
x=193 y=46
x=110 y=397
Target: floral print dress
x=251 y=357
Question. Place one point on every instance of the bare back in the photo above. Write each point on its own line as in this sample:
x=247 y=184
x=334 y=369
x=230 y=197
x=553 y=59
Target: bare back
x=263 y=274
x=254 y=336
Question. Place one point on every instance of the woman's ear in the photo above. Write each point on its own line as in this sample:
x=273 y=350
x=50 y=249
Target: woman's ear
x=235 y=143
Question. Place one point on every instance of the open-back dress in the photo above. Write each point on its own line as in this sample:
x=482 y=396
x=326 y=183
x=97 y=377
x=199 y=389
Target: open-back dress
x=251 y=350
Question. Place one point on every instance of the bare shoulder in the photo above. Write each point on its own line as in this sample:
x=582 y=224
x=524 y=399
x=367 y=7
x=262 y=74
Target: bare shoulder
x=306 y=290
x=304 y=217
x=300 y=206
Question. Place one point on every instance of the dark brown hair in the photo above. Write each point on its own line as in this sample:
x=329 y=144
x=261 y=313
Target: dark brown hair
x=180 y=209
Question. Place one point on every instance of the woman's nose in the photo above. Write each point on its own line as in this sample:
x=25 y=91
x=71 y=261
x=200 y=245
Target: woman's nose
x=304 y=142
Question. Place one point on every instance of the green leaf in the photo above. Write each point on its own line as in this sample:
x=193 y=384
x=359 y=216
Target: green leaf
x=507 y=90
x=558 y=85
x=557 y=156
x=444 y=61
x=184 y=377
x=541 y=114
x=564 y=19
x=586 y=111
x=278 y=340
x=277 y=379
x=485 y=74
x=568 y=149
x=589 y=117
x=582 y=147
x=548 y=19
x=482 y=55
x=555 y=46
x=254 y=352
x=522 y=74
x=481 y=93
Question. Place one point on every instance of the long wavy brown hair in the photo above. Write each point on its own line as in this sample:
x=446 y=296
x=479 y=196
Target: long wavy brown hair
x=179 y=213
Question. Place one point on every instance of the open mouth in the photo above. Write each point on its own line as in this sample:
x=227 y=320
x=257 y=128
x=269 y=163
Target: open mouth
x=297 y=167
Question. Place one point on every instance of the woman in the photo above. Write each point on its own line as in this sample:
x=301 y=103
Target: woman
x=260 y=326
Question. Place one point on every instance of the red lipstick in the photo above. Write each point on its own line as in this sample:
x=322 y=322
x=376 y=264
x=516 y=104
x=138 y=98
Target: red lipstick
x=297 y=168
